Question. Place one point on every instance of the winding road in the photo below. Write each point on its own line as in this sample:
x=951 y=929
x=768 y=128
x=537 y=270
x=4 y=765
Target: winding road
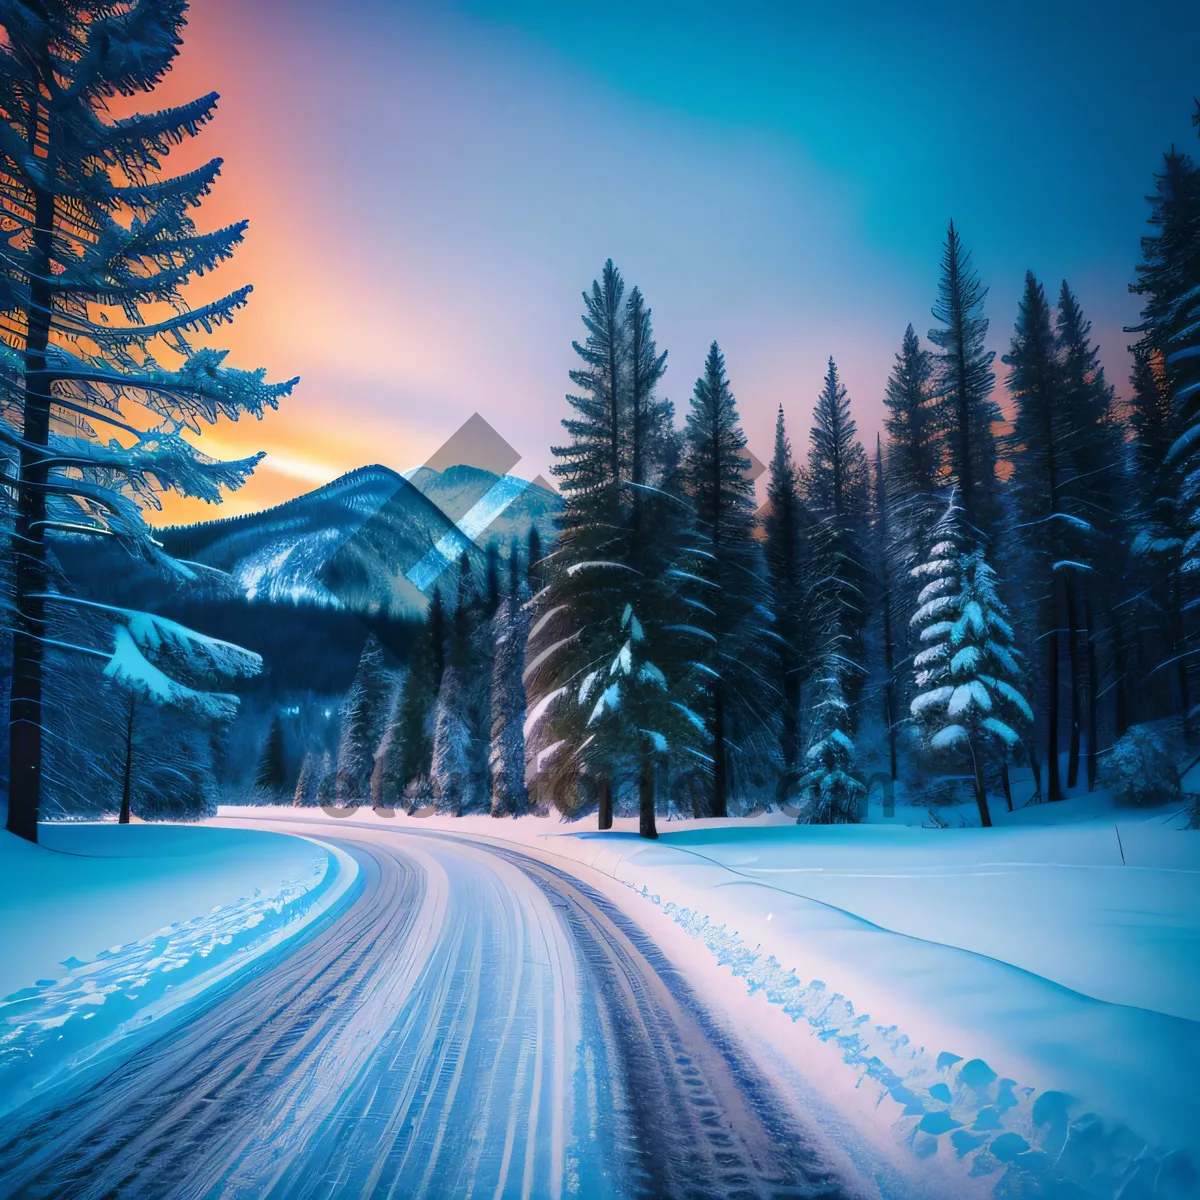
x=474 y=1022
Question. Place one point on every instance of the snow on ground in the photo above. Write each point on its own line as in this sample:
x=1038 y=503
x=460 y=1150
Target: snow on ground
x=109 y=928
x=1024 y=1001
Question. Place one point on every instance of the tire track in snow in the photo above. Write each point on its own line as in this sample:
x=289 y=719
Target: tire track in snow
x=477 y=1023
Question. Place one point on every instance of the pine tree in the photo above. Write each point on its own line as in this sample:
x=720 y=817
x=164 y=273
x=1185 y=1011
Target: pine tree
x=963 y=382
x=1166 y=403
x=1097 y=490
x=968 y=702
x=326 y=782
x=450 y=765
x=1044 y=441
x=914 y=447
x=830 y=783
x=100 y=244
x=785 y=537
x=837 y=485
x=364 y=714
x=598 y=570
x=510 y=631
x=272 y=763
x=884 y=554
x=413 y=739
x=387 y=777
x=731 y=620
x=307 y=781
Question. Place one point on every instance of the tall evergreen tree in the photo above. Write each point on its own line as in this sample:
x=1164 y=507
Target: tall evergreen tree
x=731 y=618
x=364 y=720
x=272 y=763
x=598 y=571
x=837 y=485
x=1098 y=491
x=1166 y=406
x=100 y=243
x=510 y=632
x=963 y=382
x=884 y=556
x=786 y=532
x=968 y=702
x=914 y=446
x=413 y=738
x=1045 y=438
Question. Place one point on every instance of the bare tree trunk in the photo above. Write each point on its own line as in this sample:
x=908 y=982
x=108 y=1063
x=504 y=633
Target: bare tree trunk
x=1007 y=784
x=646 y=822
x=605 y=787
x=127 y=775
x=985 y=817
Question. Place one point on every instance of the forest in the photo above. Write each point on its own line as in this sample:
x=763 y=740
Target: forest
x=1002 y=585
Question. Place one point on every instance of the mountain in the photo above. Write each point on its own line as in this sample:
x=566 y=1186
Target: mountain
x=373 y=540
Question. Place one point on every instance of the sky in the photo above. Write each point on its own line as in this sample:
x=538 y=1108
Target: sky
x=430 y=187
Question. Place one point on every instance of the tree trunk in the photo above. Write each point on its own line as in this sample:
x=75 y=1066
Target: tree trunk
x=29 y=543
x=985 y=817
x=720 y=781
x=1007 y=784
x=1055 y=786
x=605 y=787
x=646 y=823
x=127 y=775
x=1076 y=693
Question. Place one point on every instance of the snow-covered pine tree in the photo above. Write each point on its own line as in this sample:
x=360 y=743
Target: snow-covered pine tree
x=99 y=244
x=831 y=790
x=968 y=702
x=837 y=488
x=1168 y=273
x=271 y=775
x=364 y=719
x=597 y=569
x=963 y=382
x=412 y=743
x=510 y=632
x=326 y=781
x=732 y=651
x=450 y=764
x=387 y=788
x=306 y=781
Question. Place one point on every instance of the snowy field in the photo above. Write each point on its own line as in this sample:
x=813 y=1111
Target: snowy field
x=111 y=928
x=1016 y=1001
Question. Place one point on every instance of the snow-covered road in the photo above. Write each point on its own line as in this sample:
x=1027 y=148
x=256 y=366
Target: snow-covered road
x=478 y=1022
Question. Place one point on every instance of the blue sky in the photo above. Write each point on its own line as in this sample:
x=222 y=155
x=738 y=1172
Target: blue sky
x=432 y=186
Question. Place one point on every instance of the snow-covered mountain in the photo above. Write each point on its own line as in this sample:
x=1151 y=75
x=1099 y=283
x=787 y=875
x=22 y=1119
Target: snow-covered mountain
x=373 y=540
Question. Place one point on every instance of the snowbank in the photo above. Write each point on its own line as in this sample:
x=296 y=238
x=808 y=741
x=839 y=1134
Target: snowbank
x=108 y=929
x=1024 y=1000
